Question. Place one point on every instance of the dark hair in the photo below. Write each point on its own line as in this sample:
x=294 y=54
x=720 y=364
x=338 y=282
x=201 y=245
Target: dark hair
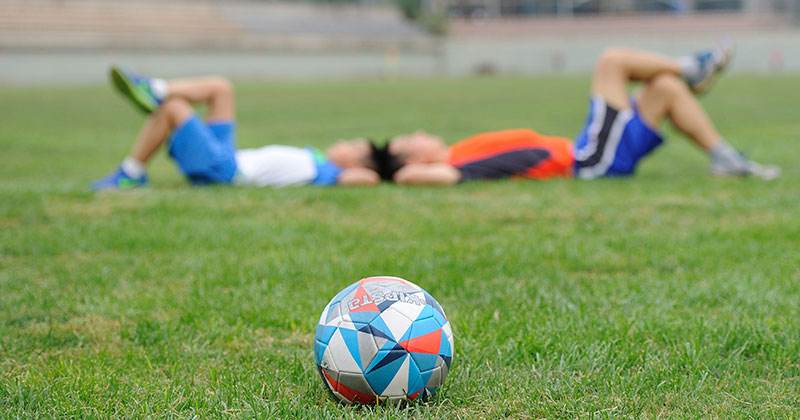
x=386 y=164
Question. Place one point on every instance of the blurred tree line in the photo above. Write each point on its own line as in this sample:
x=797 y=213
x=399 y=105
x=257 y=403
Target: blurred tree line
x=434 y=23
x=413 y=10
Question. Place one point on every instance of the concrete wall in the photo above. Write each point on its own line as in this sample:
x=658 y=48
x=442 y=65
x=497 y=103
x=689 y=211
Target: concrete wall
x=765 y=53
x=758 y=52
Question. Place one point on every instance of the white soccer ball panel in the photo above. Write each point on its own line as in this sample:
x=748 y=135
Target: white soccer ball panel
x=340 y=355
x=397 y=321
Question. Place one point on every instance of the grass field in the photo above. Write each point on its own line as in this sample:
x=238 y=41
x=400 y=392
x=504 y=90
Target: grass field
x=672 y=294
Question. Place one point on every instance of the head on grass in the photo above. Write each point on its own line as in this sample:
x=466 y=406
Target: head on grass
x=386 y=160
x=386 y=163
x=417 y=147
x=357 y=153
x=404 y=149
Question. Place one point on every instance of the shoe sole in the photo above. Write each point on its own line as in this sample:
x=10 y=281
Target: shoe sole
x=767 y=173
x=124 y=86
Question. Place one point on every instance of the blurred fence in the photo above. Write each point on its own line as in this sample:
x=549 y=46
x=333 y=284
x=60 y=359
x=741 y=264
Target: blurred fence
x=75 y=40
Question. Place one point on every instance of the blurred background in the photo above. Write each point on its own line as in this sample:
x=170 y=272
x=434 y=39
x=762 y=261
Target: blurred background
x=56 y=41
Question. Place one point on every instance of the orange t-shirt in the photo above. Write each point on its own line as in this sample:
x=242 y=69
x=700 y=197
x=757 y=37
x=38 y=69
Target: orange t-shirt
x=512 y=153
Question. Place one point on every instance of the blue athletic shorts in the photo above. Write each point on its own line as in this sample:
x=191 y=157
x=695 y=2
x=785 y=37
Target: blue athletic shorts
x=205 y=152
x=613 y=141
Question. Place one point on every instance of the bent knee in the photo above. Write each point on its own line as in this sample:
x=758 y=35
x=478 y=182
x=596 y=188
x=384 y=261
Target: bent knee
x=175 y=109
x=612 y=58
x=172 y=105
x=221 y=84
x=667 y=83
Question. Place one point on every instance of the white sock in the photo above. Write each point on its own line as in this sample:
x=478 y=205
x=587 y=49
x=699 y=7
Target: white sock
x=690 y=67
x=133 y=167
x=724 y=154
x=159 y=88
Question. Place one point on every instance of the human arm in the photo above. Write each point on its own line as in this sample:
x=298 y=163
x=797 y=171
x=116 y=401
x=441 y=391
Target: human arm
x=427 y=174
x=358 y=176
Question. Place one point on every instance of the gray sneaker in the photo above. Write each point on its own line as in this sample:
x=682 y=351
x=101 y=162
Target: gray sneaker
x=712 y=62
x=746 y=168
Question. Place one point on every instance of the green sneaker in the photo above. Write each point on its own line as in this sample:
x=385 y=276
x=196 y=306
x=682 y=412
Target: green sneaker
x=136 y=88
x=118 y=180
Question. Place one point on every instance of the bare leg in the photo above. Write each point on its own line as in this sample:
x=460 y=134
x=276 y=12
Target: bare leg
x=157 y=127
x=618 y=67
x=174 y=110
x=217 y=92
x=668 y=96
x=665 y=95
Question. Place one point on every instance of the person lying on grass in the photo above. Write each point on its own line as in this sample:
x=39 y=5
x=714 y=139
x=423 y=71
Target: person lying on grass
x=205 y=151
x=620 y=130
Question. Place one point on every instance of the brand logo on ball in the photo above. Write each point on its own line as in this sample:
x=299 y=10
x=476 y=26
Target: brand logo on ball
x=379 y=297
x=383 y=339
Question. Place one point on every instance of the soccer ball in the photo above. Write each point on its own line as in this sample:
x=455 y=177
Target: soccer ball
x=383 y=339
